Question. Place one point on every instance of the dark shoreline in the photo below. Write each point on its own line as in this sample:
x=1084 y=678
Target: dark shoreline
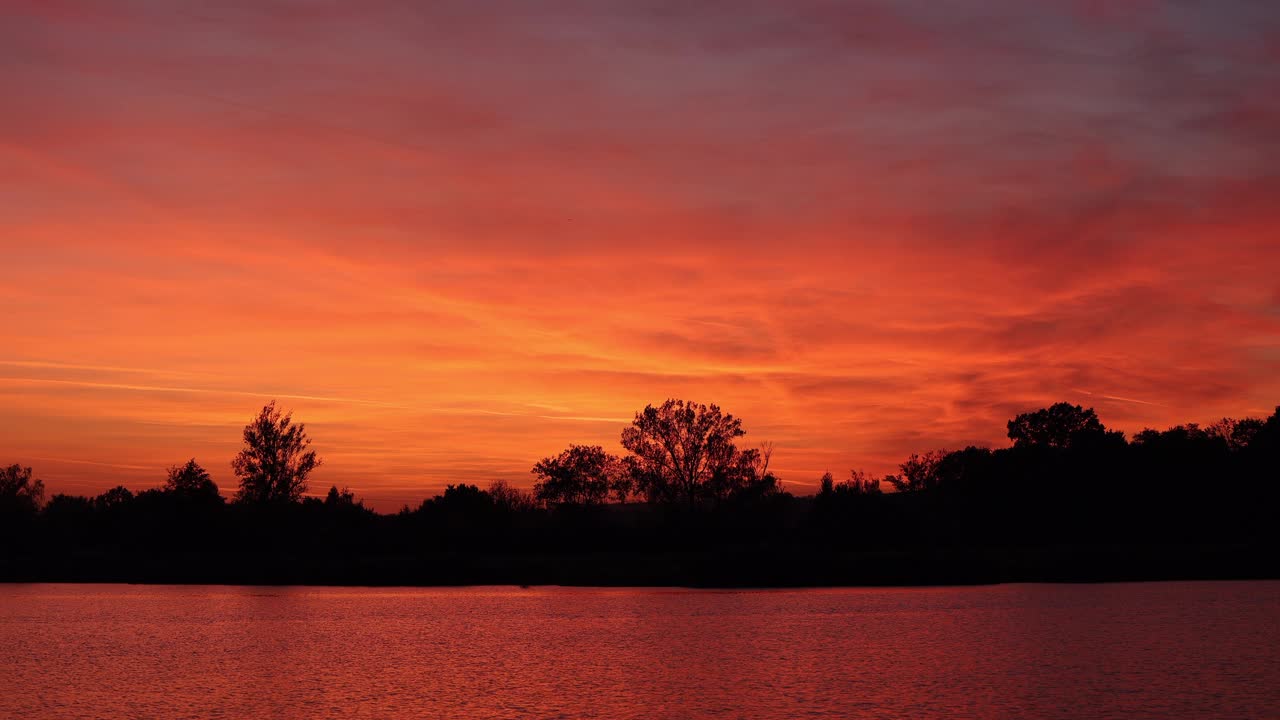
x=1069 y=502
x=695 y=569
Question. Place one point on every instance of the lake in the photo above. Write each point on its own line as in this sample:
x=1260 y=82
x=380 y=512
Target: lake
x=1155 y=650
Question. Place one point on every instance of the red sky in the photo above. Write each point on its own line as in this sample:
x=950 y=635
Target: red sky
x=455 y=240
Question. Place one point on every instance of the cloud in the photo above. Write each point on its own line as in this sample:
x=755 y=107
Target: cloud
x=457 y=240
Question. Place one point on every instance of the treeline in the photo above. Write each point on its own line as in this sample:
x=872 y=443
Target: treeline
x=685 y=503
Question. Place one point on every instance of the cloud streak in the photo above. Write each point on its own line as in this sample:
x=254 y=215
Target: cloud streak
x=196 y=390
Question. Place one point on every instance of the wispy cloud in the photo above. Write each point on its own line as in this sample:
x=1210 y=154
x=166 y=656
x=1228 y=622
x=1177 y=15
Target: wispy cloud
x=1118 y=398
x=456 y=239
x=194 y=390
x=49 y=365
x=95 y=463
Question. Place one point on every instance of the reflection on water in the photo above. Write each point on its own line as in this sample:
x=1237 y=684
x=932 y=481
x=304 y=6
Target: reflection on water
x=1160 y=650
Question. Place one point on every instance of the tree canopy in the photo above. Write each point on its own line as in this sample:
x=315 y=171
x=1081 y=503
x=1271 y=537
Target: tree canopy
x=192 y=482
x=1058 y=426
x=918 y=472
x=685 y=451
x=581 y=475
x=276 y=460
x=19 y=491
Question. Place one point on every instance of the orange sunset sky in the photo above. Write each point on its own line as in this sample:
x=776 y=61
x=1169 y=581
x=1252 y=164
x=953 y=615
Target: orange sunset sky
x=456 y=237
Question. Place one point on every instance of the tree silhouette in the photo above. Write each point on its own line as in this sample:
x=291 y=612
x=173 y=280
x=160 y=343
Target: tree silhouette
x=859 y=483
x=510 y=499
x=459 y=506
x=191 y=482
x=581 y=475
x=72 y=510
x=275 y=462
x=19 y=492
x=826 y=485
x=339 y=498
x=1057 y=426
x=749 y=476
x=1237 y=434
x=918 y=472
x=685 y=451
x=114 y=499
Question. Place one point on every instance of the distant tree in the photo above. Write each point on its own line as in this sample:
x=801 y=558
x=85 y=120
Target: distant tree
x=1237 y=434
x=1264 y=449
x=969 y=470
x=750 y=478
x=461 y=500
x=581 y=475
x=509 y=498
x=1181 y=437
x=19 y=492
x=826 y=485
x=275 y=462
x=73 y=511
x=189 y=481
x=1269 y=433
x=340 y=498
x=859 y=483
x=685 y=451
x=1146 y=436
x=918 y=472
x=625 y=483
x=1058 y=426
x=113 y=499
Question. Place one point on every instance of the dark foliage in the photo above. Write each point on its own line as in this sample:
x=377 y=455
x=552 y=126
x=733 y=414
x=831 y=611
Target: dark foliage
x=581 y=475
x=1057 y=426
x=274 y=465
x=686 y=452
x=191 y=483
x=1069 y=500
x=20 y=493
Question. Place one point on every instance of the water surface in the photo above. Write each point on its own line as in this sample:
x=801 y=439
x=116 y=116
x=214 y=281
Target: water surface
x=1158 y=650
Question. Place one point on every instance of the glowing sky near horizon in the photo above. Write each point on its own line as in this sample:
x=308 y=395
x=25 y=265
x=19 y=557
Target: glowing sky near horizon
x=456 y=237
